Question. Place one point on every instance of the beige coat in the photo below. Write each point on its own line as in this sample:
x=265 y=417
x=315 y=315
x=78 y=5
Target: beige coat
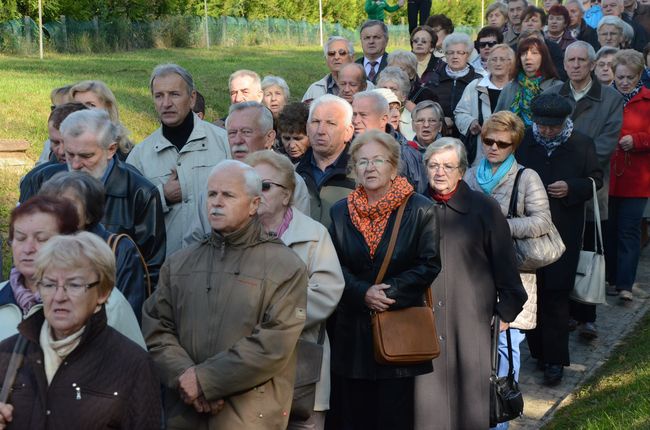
x=155 y=157
x=533 y=220
x=311 y=241
x=233 y=307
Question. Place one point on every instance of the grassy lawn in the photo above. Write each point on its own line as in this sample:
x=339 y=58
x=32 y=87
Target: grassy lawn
x=618 y=396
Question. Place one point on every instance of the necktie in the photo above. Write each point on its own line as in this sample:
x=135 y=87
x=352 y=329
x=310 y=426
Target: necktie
x=372 y=74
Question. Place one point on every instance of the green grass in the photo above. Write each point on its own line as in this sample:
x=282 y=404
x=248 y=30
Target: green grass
x=618 y=396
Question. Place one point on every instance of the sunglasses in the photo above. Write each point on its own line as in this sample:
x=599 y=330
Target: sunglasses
x=487 y=44
x=266 y=185
x=500 y=144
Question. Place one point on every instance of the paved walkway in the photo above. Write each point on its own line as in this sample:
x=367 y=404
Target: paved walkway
x=614 y=322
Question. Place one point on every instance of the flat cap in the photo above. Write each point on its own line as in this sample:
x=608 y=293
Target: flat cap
x=550 y=109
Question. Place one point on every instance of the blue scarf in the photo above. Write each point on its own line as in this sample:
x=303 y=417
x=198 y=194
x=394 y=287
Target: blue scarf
x=486 y=180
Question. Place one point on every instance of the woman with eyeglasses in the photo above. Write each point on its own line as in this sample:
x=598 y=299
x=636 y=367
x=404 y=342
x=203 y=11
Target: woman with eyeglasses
x=428 y=122
x=495 y=176
x=312 y=243
x=566 y=162
x=484 y=93
x=372 y=395
x=611 y=32
x=534 y=72
x=477 y=269
x=77 y=372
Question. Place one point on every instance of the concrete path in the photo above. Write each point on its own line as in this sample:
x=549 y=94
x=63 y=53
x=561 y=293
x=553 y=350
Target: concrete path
x=614 y=321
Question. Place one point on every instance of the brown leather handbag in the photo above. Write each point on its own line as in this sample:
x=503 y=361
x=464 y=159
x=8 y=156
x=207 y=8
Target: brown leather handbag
x=404 y=336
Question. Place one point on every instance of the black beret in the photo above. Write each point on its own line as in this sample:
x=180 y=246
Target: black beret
x=550 y=109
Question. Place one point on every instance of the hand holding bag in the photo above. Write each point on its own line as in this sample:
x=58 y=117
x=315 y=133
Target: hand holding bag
x=534 y=252
x=506 y=401
x=589 y=285
x=308 y=367
x=404 y=336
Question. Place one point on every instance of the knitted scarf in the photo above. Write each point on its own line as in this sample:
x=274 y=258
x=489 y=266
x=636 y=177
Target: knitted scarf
x=629 y=96
x=25 y=297
x=529 y=88
x=371 y=220
x=486 y=179
x=551 y=144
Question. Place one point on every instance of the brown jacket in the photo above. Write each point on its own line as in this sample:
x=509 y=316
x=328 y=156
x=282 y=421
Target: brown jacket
x=232 y=306
x=118 y=387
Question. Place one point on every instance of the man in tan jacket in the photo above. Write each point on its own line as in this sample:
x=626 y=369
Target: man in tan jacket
x=223 y=323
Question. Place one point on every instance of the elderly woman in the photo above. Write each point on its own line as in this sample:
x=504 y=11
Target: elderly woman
x=486 y=39
x=610 y=31
x=407 y=61
x=629 y=186
x=78 y=372
x=496 y=15
x=292 y=128
x=567 y=163
x=311 y=241
x=429 y=121
x=395 y=79
x=477 y=270
x=87 y=195
x=534 y=72
x=558 y=26
x=374 y=395
x=276 y=94
x=423 y=42
x=495 y=176
x=604 y=61
x=483 y=94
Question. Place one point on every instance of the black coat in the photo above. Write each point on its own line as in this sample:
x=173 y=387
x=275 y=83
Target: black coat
x=574 y=162
x=414 y=265
x=132 y=206
x=118 y=385
x=589 y=35
x=450 y=90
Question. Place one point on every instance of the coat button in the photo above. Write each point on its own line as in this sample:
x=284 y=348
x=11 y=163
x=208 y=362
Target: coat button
x=48 y=412
x=39 y=361
x=178 y=164
x=441 y=337
x=441 y=304
x=261 y=415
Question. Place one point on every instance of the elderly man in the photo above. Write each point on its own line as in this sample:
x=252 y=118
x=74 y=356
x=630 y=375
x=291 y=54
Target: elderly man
x=370 y=111
x=178 y=156
x=598 y=113
x=133 y=205
x=245 y=85
x=324 y=167
x=223 y=324
x=374 y=39
x=516 y=10
x=616 y=8
x=578 y=27
x=339 y=51
x=352 y=79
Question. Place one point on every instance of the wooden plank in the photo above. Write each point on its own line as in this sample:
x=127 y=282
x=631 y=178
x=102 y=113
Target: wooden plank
x=13 y=145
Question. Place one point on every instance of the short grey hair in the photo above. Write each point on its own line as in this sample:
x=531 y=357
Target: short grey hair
x=456 y=38
x=611 y=20
x=525 y=2
x=95 y=122
x=443 y=144
x=270 y=80
x=497 y=5
x=335 y=100
x=252 y=180
x=338 y=38
x=628 y=32
x=578 y=3
x=379 y=102
x=428 y=104
x=606 y=50
x=407 y=59
x=397 y=75
x=263 y=114
x=373 y=22
x=591 y=53
x=248 y=73
x=162 y=70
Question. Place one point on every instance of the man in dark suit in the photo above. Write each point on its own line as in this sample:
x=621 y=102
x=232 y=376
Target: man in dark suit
x=374 y=39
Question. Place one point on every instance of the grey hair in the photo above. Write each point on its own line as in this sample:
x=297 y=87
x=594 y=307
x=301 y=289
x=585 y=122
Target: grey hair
x=443 y=144
x=332 y=99
x=162 y=70
x=427 y=104
x=497 y=5
x=252 y=180
x=611 y=20
x=373 y=22
x=524 y=1
x=576 y=2
x=244 y=72
x=379 y=102
x=264 y=115
x=606 y=50
x=336 y=38
x=591 y=53
x=406 y=58
x=95 y=122
x=628 y=32
x=270 y=80
x=456 y=38
x=397 y=75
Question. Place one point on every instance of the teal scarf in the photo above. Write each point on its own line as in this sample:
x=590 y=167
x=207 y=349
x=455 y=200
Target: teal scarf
x=486 y=180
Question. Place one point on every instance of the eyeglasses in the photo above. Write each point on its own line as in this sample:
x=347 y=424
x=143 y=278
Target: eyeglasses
x=266 y=185
x=610 y=34
x=341 y=52
x=447 y=168
x=496 y=60
x=454 y=53
x=500 y=144
x=487 y=44
x=71 y=289
x=365 y=163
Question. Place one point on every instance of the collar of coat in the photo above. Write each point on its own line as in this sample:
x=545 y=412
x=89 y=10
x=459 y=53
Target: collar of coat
x=31 y=326
x=595 y=93
x=198 y=133
x=461 y=201
x=250 y=235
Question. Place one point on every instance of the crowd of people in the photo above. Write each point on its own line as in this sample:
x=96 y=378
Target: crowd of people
x=225 y=275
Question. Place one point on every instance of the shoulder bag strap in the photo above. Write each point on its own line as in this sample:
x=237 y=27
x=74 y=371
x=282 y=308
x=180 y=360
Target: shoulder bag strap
x=391 y=243
x=494 y=350
x=512 y=207
x=113 y=241
x=480 y=109
x=16 y=360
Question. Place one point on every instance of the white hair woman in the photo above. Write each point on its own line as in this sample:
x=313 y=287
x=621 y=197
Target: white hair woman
x=276 y=94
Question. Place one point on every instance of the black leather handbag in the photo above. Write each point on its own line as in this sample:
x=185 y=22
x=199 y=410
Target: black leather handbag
x=506 y=401
x=308 y=367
